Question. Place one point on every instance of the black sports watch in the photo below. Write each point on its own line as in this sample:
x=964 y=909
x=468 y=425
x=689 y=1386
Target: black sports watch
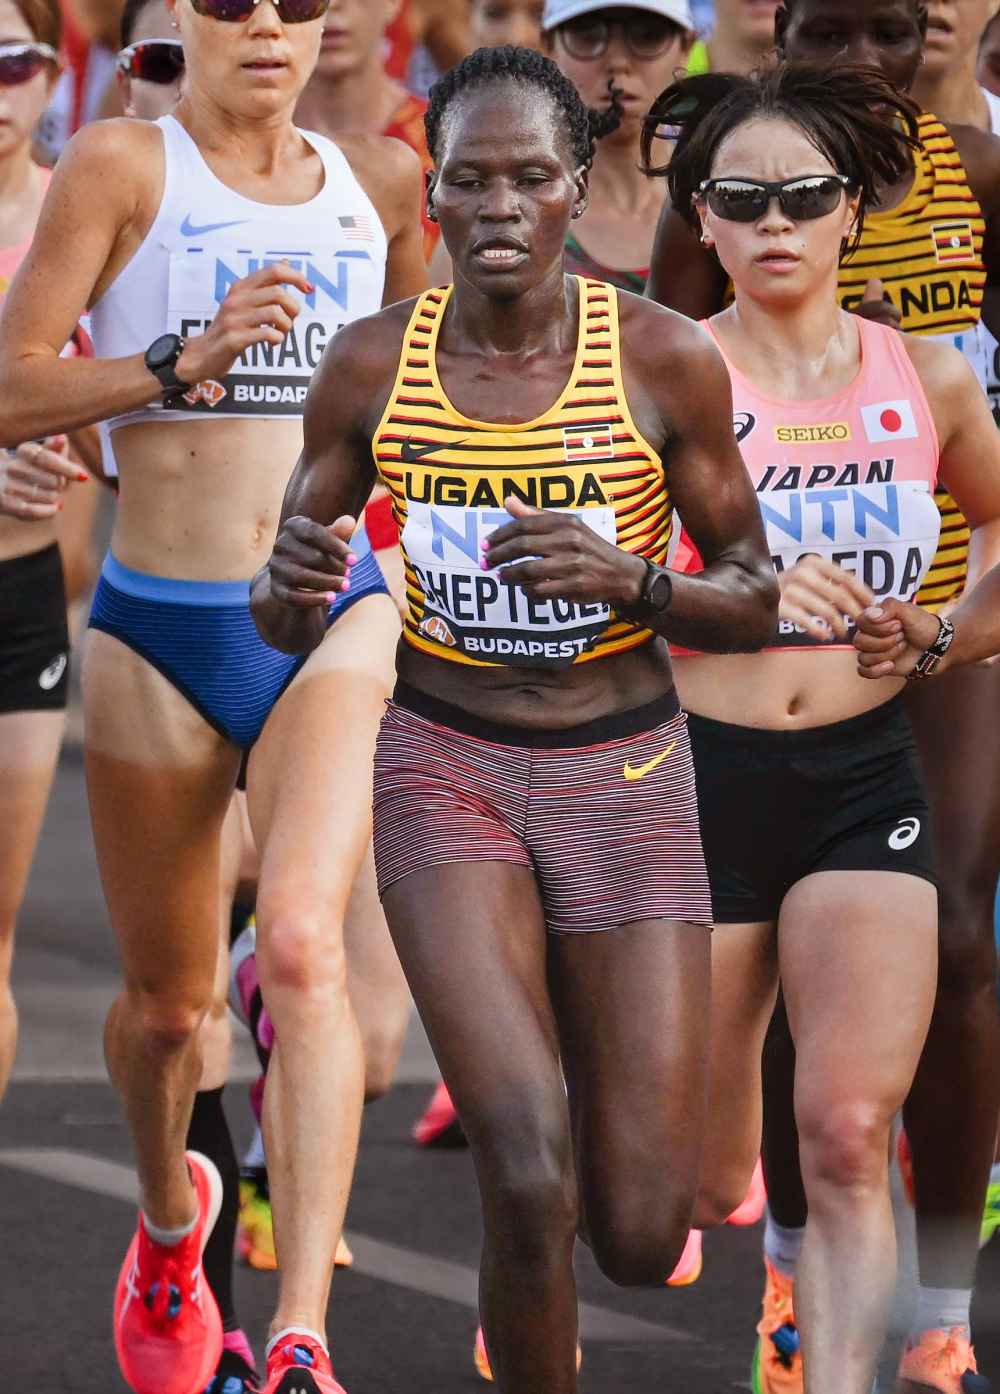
x=161 y=360
x=655 y=595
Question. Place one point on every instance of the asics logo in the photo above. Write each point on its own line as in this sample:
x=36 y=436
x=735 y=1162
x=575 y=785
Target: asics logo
x=640 y=771
x=905 y=835
x=189 y=229
x=50 y=676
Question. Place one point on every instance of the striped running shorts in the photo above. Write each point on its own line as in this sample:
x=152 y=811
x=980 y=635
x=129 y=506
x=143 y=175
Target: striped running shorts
x=604 y=814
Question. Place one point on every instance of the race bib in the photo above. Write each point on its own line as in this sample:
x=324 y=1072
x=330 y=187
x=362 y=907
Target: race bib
x=886 y=534
x=474 y=611
x=267 y=379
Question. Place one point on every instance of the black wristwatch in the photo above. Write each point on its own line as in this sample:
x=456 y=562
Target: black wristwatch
x=161 y=360
x=655 y=594
x=931 y=657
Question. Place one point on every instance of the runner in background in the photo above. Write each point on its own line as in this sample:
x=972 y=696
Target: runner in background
x=496 y=22
x=988 y=67
x=741 y=37
x=35 y=482
x=439 y=26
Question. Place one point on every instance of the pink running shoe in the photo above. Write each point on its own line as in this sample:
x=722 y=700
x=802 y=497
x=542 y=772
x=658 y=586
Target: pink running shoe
x=752 y=1207
x=688 y=1268
x=482 y=1361
x=168 y=1332
x=298 y=1364
x=439 y=1125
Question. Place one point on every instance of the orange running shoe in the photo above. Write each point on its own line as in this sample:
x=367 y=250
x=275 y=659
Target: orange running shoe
x=168 y=1332
x=752 y=1207
x=777 y=1358
x=255 y=1230
x=482 y=1360
x=688 y=1269
x=298 y=1364
x=438 y=1126
x=941 y=1362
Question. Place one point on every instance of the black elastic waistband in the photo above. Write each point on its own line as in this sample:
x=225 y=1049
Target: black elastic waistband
x=889 y=718
x=31 y=565
x=613 y=727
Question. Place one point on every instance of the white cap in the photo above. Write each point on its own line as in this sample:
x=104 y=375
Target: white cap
x=559 y=11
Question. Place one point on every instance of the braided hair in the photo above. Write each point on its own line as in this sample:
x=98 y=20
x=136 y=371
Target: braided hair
x=528 y=69
x=853 y=116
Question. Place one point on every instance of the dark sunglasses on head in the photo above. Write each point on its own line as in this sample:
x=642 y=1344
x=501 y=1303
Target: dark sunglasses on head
x=239 y=11
x=21 y=62
x=644 y=35
x=746 y=200
x=153 y=60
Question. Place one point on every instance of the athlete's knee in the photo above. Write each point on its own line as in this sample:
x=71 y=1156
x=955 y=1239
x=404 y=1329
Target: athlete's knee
x=300 y=951
x=529 y=1193
x=637 y=1244
x=167 y=1023
x=844 y=1146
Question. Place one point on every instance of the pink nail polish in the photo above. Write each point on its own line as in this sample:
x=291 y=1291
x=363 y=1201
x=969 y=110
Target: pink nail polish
x=351 y=559
x=346 y=585
x=331 y=597
x=485 y=544
x=484 y=565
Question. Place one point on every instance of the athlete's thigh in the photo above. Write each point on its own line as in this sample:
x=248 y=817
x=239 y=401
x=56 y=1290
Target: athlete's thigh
x=159 y=779
x=633 y=1006
x=471 y=938
x=744 y=990
x=29 y=748
x=379 y=994
x=309 y=780
x=955 y=721
x=858 y=960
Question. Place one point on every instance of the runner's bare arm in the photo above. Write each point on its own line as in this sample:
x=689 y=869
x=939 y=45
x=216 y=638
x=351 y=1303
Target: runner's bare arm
x=391 y=175
x=330 y=483
x=980 y=155
x=42 y=393
x=684 y=275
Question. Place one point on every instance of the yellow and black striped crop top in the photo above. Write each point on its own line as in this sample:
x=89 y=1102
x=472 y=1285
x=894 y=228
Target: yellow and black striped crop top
x=448 y=476
x=928 y=254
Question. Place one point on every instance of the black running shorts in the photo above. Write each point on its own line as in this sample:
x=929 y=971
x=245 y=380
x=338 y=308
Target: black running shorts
x=34 y=637
x=777 y=806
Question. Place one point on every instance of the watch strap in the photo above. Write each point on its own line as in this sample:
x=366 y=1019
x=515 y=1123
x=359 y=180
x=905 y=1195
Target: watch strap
x=931 y=657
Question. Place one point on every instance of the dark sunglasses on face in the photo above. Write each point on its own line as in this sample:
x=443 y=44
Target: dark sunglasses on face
x=153 y=60
x=746 y=200
x=644 y=35
x=21 y=62
x=239 y=11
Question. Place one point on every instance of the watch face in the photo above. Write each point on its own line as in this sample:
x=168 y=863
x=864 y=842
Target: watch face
x=660 y=592
x=162 y=350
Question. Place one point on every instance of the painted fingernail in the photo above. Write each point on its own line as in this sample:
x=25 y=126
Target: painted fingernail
x=485 y=544
x=484 y=565
x=83 y=477
x=351 y=559
x=331 y=597
x=345 y=584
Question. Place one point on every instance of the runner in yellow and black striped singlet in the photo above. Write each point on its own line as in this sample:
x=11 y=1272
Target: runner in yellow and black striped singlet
x=525 y=423
x=449 y=476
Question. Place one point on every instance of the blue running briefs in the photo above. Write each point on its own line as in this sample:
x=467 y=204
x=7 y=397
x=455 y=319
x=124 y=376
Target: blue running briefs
x=201 y=636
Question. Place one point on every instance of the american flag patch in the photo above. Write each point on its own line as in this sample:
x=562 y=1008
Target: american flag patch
x=358 y=228
x=581 y=443
x=953 y=242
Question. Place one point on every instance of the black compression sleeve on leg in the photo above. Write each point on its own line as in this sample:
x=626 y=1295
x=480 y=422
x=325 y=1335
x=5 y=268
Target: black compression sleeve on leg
x=209 y=1133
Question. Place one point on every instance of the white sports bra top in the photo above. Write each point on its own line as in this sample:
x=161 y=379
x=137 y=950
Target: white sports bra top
x=205 y=237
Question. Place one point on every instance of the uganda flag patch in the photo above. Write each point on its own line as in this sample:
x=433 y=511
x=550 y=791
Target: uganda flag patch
x=953 y=243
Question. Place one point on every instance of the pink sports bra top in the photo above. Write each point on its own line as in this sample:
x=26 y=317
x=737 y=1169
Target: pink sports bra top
x=849 y=477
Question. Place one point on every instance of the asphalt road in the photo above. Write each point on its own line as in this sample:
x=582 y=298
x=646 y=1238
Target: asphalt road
x=403 y=1319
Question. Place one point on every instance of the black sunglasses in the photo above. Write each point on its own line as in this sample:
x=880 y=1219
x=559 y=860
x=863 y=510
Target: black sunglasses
x=21 y=62
x=746 y=200
x=644 y=35
x=153 y=60
x=239 y=11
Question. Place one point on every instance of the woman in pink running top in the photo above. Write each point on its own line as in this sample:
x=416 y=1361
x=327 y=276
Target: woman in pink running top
x=813 y=814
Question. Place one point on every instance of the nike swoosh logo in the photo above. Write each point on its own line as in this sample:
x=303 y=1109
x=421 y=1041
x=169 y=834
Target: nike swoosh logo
x=641 y=771
x=188 y=228
x=411 y=454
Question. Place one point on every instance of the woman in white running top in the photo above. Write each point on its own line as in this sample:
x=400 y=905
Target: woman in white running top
x=225 y=249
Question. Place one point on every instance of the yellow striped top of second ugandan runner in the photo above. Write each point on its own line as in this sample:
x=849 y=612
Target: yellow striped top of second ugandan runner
x=928 y=254
x=448 y=475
